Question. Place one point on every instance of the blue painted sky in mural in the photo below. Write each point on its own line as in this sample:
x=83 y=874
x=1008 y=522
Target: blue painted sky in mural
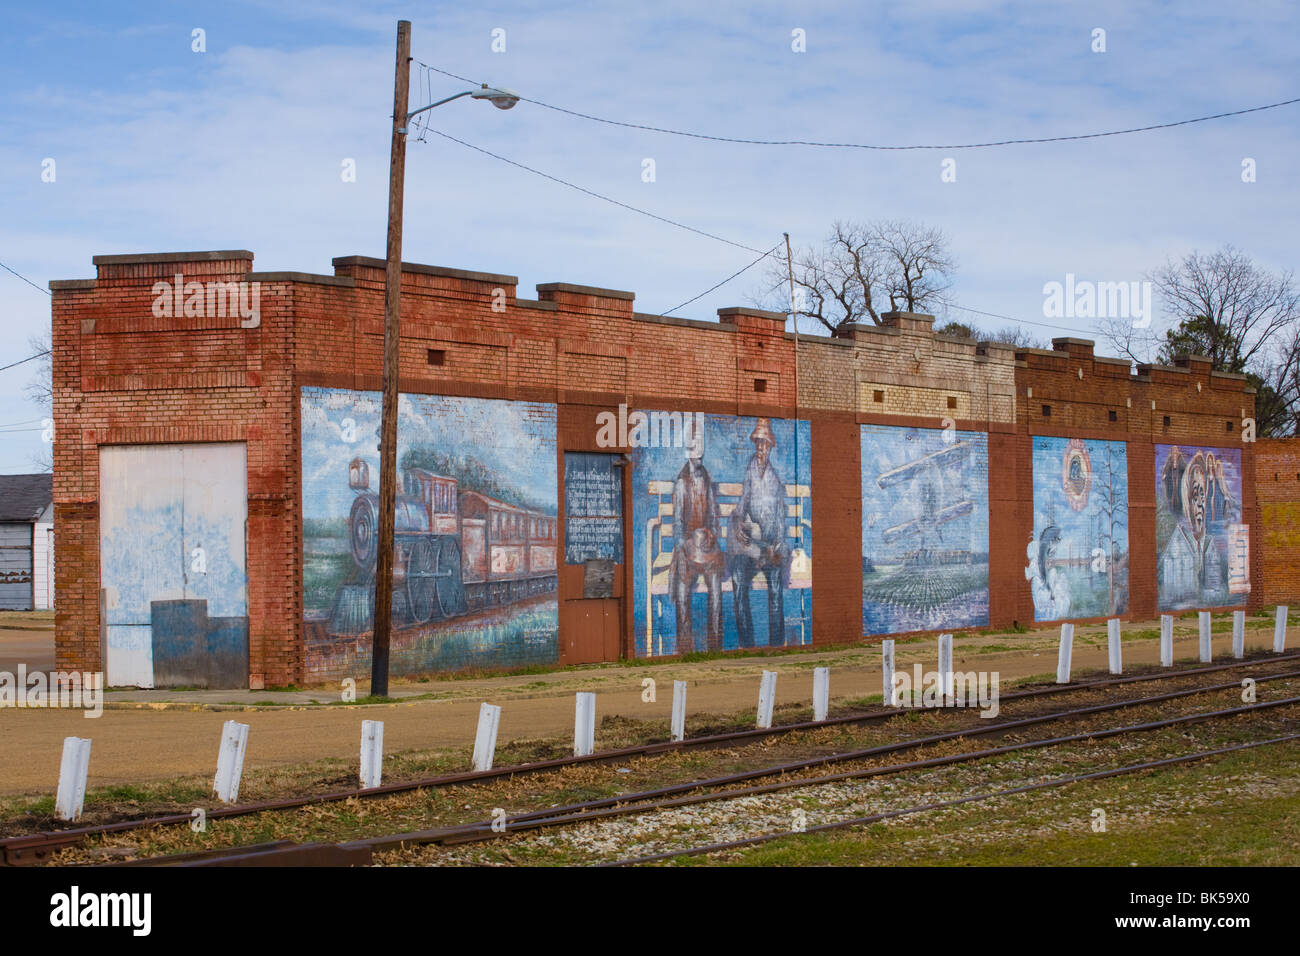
x=1049 y=493
x=516 y=440
x=965 y=477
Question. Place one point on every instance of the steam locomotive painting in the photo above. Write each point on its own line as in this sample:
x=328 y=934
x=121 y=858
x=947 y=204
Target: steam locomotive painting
x=475 y=567
x=453 y=551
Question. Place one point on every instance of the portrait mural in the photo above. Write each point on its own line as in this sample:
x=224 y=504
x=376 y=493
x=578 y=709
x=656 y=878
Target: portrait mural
x=1202 y=548
x=474 y=556
x=722 y=530
x=925 y=529
x=1077 y=561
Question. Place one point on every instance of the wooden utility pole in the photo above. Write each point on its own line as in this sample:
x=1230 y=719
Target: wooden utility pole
x=392 y=333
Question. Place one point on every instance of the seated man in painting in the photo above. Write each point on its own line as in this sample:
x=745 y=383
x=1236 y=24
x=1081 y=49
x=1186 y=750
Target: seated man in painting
x=756 y=540
x=696 y=552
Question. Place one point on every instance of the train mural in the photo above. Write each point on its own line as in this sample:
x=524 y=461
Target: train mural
x=453 y=551
x=475 y=533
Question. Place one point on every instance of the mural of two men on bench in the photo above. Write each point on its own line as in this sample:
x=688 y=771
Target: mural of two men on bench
x=722 y=535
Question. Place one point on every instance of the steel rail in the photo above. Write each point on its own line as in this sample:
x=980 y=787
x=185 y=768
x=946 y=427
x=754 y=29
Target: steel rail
x=360 y=852
x=625 y=804
x=891 y=814
x=29 y=849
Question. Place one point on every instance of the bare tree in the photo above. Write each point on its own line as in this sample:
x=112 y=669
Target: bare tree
x=1012 y=335
x=858 y=268
x=1243 y=318
x=40 y=391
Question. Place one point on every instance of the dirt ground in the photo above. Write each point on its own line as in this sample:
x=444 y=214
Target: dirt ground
x=149 y=740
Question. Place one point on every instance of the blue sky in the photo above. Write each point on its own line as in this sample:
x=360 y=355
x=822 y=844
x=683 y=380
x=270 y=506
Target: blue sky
x=158 y=148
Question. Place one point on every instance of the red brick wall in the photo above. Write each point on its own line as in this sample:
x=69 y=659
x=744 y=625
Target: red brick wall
x=122 y=375
x=1276 y=541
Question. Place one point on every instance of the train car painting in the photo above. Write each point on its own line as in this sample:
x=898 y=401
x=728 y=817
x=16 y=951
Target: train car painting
x=474 y=564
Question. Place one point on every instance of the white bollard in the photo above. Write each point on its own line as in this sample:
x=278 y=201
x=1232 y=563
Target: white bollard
x=485 y=738
x=1238 y=634
x=945 y=668
x=889 y=693
x=584 y=724
x=1204 y=622
x=679 y=710
x=372 y=753
x=1166 y=640
x=766 y=699
x=1279 y=630
x=71 y=796
x=1113 y=646
x=1064 y=654
x=821 y=693
x=230 y=761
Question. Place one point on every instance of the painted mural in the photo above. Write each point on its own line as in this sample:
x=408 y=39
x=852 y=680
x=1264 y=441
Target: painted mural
x=722 y=534
x=1202 y=548
x=1077 y=561
x=925 y=529
x=474 y=560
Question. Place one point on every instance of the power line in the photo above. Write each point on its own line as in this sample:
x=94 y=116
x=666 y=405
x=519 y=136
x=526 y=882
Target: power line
x=30 y=358
x=1012 y=318
x=724 y=281
x=801 y=142
x=563 y=182
x=25 y=279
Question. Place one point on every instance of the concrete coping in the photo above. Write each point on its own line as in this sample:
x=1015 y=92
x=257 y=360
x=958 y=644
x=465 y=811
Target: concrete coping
x=852 y=327
x=1235 y=376
x=685 y=323
x=419 y=269
x=1147 y=369
x=1071 y=340
x=1109 y=360
x=756 y=313
x=813 y=338
x=585 y=290
x=137 y=258
x=535 y=304
x=310 y=278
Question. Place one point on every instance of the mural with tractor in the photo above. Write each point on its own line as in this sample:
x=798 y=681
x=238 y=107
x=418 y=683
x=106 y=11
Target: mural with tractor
x=475 y=537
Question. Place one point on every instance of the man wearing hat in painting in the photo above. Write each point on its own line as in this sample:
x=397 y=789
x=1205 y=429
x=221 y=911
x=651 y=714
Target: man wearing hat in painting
x=696 y=551
x=756 y=540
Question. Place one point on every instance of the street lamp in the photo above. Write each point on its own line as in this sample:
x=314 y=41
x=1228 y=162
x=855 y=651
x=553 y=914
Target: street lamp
x=501 y=99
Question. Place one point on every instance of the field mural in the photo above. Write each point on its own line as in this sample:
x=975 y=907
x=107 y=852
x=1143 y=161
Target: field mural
x=474 y=562
x=1077 y=561
x=925 y=529
x=722 y=534
x=1202 y=548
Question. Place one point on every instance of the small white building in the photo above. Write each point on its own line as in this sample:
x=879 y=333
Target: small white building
x=26 y=542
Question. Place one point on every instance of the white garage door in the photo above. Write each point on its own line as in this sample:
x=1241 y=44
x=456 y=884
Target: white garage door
x=172 y=528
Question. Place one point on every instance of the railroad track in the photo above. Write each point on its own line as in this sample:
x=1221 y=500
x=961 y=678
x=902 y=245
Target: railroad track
x=727 y=787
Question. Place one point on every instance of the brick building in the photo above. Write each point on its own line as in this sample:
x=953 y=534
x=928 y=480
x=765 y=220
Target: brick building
x=580 y=481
